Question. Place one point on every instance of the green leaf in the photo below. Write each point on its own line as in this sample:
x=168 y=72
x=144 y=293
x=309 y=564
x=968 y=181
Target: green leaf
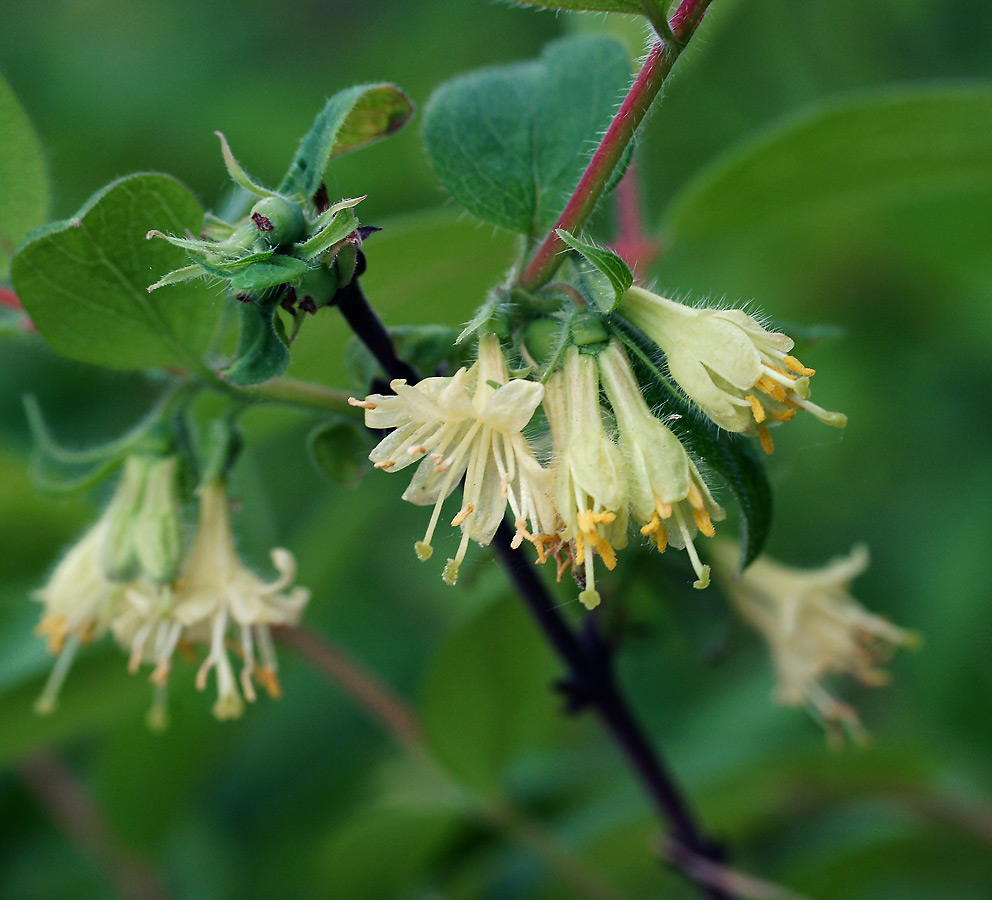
x=262 y=352
x=23 y=183
x=511 y=143
x=736 y=460
x=606 y=262
x=350 y=119
x=270 y=273
x=488 y=694
x=340 y=450
x=840 y=162
x=84 y=281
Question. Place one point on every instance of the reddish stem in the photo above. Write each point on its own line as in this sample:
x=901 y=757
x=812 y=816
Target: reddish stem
x=611 y=148
x=636 y=248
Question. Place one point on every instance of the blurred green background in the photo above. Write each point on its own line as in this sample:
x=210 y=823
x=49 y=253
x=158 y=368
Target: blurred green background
x=875 y=126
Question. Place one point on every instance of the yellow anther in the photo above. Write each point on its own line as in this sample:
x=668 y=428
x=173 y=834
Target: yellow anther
x=695 y=497
x=580 y=549
x=462 y=515
x=605 y=549
x=767 y=444
x=782 y=415
x=270 y=681
x=798 y=367
x=652 y=526
x=703 y=522
x=757 y=410
x=364 y=404
x=661 y=538
x=385 y=464
x=588 y=520
x=768 y=386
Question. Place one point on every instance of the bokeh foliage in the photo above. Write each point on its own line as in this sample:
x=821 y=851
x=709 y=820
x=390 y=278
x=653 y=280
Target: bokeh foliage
x=833 y=169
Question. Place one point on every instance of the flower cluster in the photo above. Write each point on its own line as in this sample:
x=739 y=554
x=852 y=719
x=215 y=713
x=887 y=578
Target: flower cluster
x=609 y=462
x=128 y=576
x=813 y=627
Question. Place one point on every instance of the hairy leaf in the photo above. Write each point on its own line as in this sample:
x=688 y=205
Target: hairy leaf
x=510 y=143
x=262 y=352
x=349 y=120
x=84 y=281
x=606 y=262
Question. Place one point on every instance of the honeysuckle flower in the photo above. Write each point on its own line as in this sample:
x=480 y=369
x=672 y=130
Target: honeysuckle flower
x=467 y=425
x=79 y=603
x=739 y=373
x=668 y=497
x=814 y=627
x=214 y=597
x=591 y=488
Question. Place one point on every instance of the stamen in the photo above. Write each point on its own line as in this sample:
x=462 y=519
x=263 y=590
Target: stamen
x=49 y=698
x=695 y=497
x=702 y=572
x=364 y=404
x=798 y=367
x=416 y=451
x=757 y=410
x=703 y=523
x=606 y=552
x=661 y=538
x=764 y=436
x=386 y=464
x=782 y=415
x=462 y=515
x=652 y=526
x=767 y=386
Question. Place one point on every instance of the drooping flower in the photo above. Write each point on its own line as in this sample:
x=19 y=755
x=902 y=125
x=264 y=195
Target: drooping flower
x=814 y=627
x=591 y=488
x=739 y=373
x=215 y=597
x=79 y=603
x=467 y=426
x=668 y=497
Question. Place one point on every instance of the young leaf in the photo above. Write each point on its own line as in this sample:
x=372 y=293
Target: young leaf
x=608 y=263
x=510 y=143
x=349 y=120
x=23 y=185
x=262 y=353
x=84 y=281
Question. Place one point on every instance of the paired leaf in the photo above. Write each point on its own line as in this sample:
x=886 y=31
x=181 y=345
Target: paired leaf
x=350 y=119
x=84 y=281
x=607 y=263
x=23 y=183
x=510 y=143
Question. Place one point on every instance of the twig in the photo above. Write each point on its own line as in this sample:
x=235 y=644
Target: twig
x=71 y=806
x=659 y=62
x=730 y=881
x=632 y=244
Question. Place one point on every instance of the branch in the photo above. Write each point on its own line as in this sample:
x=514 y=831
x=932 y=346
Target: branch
x=71 y=806
x=660 y=60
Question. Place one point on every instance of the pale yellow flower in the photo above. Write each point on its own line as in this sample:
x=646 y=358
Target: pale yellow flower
x=668 y=497
x=591 y=487
x=215 y=597
x=739 y=373
x=814 y=627
x=467 y=426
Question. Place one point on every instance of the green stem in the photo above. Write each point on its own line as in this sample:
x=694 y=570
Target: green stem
x=614 y=144
x=291 y=392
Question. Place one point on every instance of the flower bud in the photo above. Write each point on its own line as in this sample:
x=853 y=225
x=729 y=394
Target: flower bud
x=158 y=525
x=278 y=221
x=587 y=329
x=118 y=554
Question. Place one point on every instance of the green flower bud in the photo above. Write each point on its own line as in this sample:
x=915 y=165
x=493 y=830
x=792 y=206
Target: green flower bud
x=118 y=555
x=317 y=288
x=278 y=221
x=588 y=329
x=541 y=338
x=158 y=526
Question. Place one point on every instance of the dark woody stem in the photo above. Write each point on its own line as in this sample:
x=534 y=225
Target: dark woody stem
x=591 y=682
x=662 y=56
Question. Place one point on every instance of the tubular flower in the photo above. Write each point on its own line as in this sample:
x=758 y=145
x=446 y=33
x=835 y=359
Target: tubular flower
x=79 y=603
x=591 y=486
x=813 y=627
x=740 y=374
x=215 y=594
x=668 y=497
x=468 y=425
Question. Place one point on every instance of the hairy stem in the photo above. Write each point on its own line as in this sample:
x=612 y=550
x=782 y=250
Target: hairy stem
x=635 y=106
